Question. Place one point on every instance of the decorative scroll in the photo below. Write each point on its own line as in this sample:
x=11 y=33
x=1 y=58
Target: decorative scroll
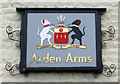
x=61 y=47
x=13 y=69
x=107 y=70
x=13 y=35
x=107 y=35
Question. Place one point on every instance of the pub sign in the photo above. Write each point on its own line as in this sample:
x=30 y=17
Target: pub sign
x=61 y=39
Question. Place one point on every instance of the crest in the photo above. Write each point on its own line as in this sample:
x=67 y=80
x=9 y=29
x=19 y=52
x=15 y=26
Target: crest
x=61 y=34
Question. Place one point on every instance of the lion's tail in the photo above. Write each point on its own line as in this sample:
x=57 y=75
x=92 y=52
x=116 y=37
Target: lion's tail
x=38 y=32
x=83 y=31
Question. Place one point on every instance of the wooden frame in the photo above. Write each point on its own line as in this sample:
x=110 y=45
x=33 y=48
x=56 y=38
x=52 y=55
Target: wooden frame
x=23 y=39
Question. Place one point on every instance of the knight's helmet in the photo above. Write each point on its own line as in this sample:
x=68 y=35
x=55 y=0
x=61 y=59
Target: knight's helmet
x=61 y=19
x=77 y=22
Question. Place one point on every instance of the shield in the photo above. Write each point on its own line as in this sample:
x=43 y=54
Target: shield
x=61 y=35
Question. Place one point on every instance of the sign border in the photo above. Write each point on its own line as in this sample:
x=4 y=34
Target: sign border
x=23 y=39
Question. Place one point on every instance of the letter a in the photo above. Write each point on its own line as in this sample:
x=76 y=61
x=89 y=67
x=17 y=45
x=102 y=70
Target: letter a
x=34 y=58
x=69 y=58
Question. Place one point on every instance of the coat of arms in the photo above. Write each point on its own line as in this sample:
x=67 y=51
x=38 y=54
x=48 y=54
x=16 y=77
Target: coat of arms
x=61 y=34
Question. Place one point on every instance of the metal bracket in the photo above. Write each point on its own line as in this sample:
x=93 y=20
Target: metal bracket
x=107 y=70
x=11 y=68
x=13 y=35
x=107 y=35
x=14 y=69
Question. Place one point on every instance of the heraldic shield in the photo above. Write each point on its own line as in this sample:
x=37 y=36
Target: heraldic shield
x=61 y=35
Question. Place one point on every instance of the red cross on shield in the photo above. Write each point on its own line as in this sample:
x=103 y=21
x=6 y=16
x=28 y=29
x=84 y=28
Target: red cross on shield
x=61 y=35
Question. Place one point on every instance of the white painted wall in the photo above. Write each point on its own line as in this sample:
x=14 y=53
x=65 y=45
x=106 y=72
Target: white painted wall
x=9 y=53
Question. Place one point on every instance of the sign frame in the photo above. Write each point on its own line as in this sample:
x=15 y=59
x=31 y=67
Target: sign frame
x=23 y=39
